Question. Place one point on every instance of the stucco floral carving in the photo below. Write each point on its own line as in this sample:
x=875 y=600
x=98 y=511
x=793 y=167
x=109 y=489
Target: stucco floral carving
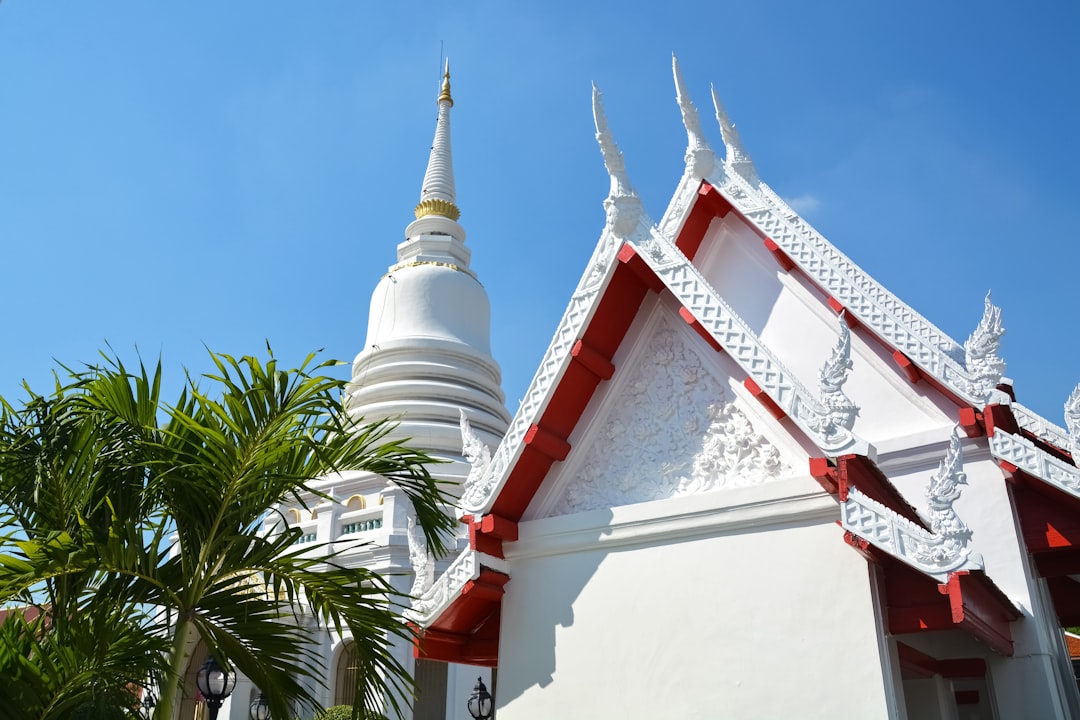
x=670 y=431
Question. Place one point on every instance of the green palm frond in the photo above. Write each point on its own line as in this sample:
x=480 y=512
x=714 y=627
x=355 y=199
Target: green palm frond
x=101 y=483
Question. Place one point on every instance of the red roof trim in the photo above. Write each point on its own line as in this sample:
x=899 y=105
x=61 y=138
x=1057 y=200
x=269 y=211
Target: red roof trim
x=979 y=607
x=968 y=600
x=468 y=631
x=863 y=473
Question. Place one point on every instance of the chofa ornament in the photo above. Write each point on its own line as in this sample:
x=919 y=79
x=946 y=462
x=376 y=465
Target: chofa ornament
x=623 y=206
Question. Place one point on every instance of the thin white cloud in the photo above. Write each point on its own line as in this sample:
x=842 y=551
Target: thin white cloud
x=805 y=203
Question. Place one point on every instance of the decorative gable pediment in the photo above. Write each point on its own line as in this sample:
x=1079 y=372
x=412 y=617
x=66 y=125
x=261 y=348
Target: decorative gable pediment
x=669 y=426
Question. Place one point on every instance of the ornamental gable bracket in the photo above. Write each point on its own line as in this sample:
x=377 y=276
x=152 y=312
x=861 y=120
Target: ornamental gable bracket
x=937 y=553
x=623 y=206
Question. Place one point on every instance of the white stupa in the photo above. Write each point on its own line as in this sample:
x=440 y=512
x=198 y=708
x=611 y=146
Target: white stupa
x=427 y=355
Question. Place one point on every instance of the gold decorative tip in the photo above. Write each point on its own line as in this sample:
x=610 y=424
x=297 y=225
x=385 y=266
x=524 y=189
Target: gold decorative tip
x=445 y=94
x=434 y=206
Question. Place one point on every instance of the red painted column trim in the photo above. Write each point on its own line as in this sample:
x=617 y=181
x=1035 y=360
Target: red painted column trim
x=1000 y=416
x=715 y=201
x=850 y=320
x=909 y=368
x=781 y=257
x=547 y=443
x=980 y=609
x=629 y=257
x=693 y=322
x=500 y=527
x=592 y=360
x=971 y=421
x=822 y=470
x=762 y=397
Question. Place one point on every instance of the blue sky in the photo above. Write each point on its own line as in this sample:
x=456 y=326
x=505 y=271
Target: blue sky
x=221 y=174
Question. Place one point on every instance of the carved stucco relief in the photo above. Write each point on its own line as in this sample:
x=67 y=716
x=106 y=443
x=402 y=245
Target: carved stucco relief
x=671 y=431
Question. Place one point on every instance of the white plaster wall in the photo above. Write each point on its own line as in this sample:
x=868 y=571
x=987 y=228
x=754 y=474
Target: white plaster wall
x=766 y=621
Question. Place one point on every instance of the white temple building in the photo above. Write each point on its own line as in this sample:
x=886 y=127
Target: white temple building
x=748 y=481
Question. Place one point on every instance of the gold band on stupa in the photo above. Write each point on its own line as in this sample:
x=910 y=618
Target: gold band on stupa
x=435 y=206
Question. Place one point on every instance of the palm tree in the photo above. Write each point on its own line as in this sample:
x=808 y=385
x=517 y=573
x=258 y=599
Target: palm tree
x=123 y=511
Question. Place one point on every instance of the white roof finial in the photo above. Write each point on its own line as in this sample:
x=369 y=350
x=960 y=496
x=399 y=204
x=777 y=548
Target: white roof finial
x=737 y=159
x=700 y=158
x=623 y=206
x=437 y=196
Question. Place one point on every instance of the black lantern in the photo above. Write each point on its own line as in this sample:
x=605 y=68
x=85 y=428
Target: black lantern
x=215 y=683
x=480 y=701
x=260 y=708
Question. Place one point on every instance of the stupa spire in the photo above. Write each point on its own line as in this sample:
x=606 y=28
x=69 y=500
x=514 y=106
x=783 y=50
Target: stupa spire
x=437 y=196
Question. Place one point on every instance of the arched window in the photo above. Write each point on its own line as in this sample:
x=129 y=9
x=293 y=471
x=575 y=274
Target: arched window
x=293 y=516
x=356 y=502
x=345 y=675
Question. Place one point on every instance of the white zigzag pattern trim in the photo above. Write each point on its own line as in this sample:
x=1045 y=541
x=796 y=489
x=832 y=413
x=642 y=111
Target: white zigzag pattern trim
x=896 y=322
x=1040 y=427
x=1024 y=454
x=906 y=541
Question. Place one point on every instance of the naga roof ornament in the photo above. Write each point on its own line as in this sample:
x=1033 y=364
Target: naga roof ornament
x=831 y=378
x=623 y=206
x=1072 y=423
x=700 y=158
x=981 y=359
x=941 y=492
x=937 y=553
x=437 y=194
x=736 y=157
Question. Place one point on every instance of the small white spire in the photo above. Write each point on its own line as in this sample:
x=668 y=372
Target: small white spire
x=737 y=158
x=437 y=195
x=623 y=206
x=700 y=158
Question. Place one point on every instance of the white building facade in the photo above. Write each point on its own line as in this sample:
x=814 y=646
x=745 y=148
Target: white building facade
x=748 y=481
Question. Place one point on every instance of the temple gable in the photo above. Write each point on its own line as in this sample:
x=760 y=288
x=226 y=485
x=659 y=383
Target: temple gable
x=670 y=426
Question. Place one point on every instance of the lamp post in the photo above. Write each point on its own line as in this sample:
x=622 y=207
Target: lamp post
x=480 y=701
x=215 y=683
x=260 y=708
